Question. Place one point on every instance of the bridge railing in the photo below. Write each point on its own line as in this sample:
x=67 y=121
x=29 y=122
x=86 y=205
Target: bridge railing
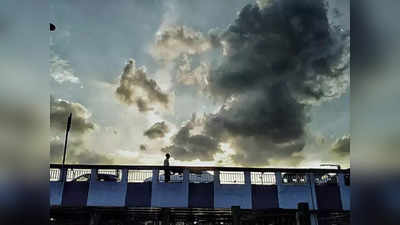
x=214 y=187
x=227 y=175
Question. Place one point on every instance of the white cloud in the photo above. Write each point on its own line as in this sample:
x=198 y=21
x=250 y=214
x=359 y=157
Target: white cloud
x=61 y=71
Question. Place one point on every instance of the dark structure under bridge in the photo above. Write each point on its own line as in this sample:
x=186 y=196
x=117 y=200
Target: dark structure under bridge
x=111 y=194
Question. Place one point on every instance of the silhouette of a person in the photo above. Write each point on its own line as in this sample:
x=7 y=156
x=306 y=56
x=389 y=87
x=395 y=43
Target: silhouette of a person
x=166 y=168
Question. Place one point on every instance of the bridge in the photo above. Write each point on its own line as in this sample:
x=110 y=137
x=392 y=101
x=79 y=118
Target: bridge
x=94 y=194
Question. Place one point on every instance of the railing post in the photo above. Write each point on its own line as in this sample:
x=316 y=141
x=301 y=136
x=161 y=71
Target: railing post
x=155 y=179
x=311 y=182
x=186 y=176
x=344 y=192
x=63 y=174
x=247 y=178
x=216 y=177
x=124 y=178
x=93 y=176
x=278 y=178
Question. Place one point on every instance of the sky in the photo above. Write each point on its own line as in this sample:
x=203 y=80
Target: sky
x=216 y=83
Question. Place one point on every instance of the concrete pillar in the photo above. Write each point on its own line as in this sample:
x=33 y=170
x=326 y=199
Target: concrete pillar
x=235 y=215
x=314 y=219
x=94 y=218
x=303 y=214
x=165 y=216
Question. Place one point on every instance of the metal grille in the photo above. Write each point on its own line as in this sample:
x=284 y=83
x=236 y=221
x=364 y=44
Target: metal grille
x=326 y=179
x=294 y=178
x=72 y=174
x=260 y=178
x=111 y=175
x=139 y=176
x=54 y=175
x=231 y=177
x=174 y=178
x=203 y=177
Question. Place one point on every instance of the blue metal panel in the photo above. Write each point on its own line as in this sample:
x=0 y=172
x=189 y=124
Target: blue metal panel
x=75 y=194
x=56 y=190
x=201 y=195
x=107 y=193
x=345 y=197
x=264 y=196
x=138 y=195
x=170 y=194
x=344 y=193
x=290 y=195
x=228 y=195
x=328 y=197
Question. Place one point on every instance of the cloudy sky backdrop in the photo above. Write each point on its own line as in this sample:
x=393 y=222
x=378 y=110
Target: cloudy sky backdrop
x=227 y=83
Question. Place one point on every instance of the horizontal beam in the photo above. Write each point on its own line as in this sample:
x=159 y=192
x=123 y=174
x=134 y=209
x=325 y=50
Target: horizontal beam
x=201 y=168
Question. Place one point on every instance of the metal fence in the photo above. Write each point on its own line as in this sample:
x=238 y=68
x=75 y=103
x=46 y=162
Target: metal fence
x=202 y=177
x=174 y=177
x=326 y=179
x=77 y=174
x=231 y=177
x=263 y=178
x=55 y=174
x=139 y=176
x=227 y=175
x=109 y=175
x=294 y=178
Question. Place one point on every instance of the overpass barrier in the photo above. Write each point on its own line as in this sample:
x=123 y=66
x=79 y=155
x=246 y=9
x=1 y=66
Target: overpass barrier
x=198 y=187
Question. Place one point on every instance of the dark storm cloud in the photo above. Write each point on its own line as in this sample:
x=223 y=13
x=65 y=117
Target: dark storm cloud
x=158 y=130
x=289 y=41
x=136 y=88
x=76 y=154
x=278 y=61
x=190 y=147
x=261 y=126
x=341 y=148
x=59 y=112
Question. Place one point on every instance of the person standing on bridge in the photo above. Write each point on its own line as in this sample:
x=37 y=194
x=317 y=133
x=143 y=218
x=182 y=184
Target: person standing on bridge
x=166 y=168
